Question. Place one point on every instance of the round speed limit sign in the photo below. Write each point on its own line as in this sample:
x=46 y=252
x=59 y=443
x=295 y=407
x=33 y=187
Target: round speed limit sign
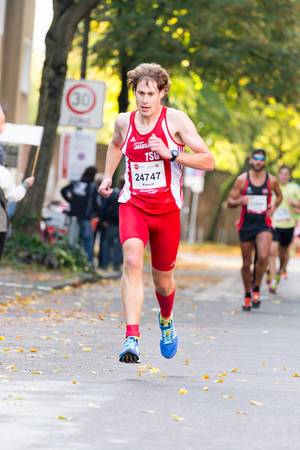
x=81 y=99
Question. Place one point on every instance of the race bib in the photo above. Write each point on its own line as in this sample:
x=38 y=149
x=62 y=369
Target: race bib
x=282 y=214
x=257 y=204
x=148 y=175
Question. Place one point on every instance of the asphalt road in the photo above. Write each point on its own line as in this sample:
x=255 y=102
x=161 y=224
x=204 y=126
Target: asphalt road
x=234 y=385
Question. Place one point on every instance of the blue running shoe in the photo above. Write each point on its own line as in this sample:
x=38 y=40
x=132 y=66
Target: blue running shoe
x=169 y=341
x=130 y=352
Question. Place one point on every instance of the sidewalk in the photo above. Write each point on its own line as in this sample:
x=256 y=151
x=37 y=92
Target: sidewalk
x=234 y=385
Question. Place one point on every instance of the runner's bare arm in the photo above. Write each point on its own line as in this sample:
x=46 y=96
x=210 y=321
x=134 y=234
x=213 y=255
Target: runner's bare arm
x=276 y=189
x=201 y=158
x=113 y=156
x=183 y=129
x=235 y=197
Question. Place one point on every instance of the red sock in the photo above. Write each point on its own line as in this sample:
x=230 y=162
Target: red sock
x=133 y=330
x=165 y=303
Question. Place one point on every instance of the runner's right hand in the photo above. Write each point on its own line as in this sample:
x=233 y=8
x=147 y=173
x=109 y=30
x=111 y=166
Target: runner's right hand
x=244 y=200
x=105 y=188
x=29 y=181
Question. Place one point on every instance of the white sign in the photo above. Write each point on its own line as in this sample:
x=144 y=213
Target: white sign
x=21 y=134
x=82 y=104
x=77 y=151
x=194 y=179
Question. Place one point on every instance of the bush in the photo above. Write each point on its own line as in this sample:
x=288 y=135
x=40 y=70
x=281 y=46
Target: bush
x=21 y=248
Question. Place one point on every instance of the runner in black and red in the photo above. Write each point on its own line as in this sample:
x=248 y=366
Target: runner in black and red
x=253 y=191
x=152 y=140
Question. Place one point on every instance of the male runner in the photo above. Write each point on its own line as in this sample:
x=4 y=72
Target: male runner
x=284 y=221
x=253 y=191
x=152 y=139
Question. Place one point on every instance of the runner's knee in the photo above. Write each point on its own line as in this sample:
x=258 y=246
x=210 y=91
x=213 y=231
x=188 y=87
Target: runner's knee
x=133 y=262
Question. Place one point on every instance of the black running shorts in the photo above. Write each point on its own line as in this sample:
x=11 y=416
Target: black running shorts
x=283 y=235
x=250 y=235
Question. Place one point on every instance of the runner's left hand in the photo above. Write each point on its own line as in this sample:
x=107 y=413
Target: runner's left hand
x=271 y=211
x=157 y=145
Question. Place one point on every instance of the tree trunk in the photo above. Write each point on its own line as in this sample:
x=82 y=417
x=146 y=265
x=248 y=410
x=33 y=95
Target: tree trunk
x=58 y=43
x=224 y=191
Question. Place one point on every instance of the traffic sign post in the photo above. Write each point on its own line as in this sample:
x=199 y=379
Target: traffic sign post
x=82 y=104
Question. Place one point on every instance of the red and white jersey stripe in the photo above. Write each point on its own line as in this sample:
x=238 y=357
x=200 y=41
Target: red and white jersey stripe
x=151 y=183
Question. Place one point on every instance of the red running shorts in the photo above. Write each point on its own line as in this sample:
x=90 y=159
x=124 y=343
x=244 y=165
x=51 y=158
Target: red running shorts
x=162 y=231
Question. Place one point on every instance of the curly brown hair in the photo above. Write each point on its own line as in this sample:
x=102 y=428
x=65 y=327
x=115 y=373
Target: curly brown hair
x=149 y=72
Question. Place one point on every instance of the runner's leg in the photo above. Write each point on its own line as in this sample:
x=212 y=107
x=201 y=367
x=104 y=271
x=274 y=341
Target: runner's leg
x=132 y=286
x=272 y=265
x=263 y=243
x=164 y=283
x=246 y=249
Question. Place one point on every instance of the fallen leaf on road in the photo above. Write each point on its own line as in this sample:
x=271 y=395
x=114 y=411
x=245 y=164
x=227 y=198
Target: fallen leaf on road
x=11 y=367
x=101 y=317
x=211 y=337
x=187 y=362
x=33 y=350
x=222 y=374
x=93 y=405
x=205 y=377
x=20 y=350
x=256 y=403
x=220 y=380
x=147 y=411
x=74 y=382
x=63 y=418
x=183 y=391
x=296 y=375
x=2 y=338
x=234 y=370
x=177 y=418
x=241 y=413
x=154 y=370
x=36 y=372
x=228 y=397
x=205 y=388
x=86 y=349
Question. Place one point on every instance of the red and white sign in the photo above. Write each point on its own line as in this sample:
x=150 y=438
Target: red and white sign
x=77 y=151
x=82 y=104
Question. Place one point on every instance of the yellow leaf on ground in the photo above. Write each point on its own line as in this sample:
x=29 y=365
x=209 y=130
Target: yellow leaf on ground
x=20 y=350
x=234 y=370
x=205 y=377
x=2 y=338
x=63 y=418
x=177 y=418
x=86 y=349
x=154 y=370
x=205 y=388
x=256 y=403
x=296 y=375
x=36 y=372
x=33 y=350
x=183 y=391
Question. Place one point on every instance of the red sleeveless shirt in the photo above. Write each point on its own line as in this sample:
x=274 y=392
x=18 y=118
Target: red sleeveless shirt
x=151 y=183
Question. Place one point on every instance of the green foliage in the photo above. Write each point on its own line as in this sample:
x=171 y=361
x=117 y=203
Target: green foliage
x=30 y=249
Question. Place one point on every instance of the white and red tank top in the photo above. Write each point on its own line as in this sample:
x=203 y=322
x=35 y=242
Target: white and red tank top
x=151 y=183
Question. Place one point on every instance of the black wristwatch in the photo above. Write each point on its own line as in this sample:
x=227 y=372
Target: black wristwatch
x=174 y=154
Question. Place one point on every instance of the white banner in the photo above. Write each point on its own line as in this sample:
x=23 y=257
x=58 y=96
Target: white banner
x=21 y=134
x=82 y=104
x=77 y=151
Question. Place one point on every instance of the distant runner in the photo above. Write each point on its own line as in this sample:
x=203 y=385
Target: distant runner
x=253 y=191
x=284 y=221
x=152 y=139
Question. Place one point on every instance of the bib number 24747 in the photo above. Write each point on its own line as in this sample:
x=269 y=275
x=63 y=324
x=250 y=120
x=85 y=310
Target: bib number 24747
x=148 y=175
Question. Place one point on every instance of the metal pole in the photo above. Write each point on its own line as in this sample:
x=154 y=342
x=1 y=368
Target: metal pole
x=193 y=219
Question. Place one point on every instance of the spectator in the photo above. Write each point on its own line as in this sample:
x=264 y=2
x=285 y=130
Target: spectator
x=82 y=196
x=8 y=192
x=110 y=246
